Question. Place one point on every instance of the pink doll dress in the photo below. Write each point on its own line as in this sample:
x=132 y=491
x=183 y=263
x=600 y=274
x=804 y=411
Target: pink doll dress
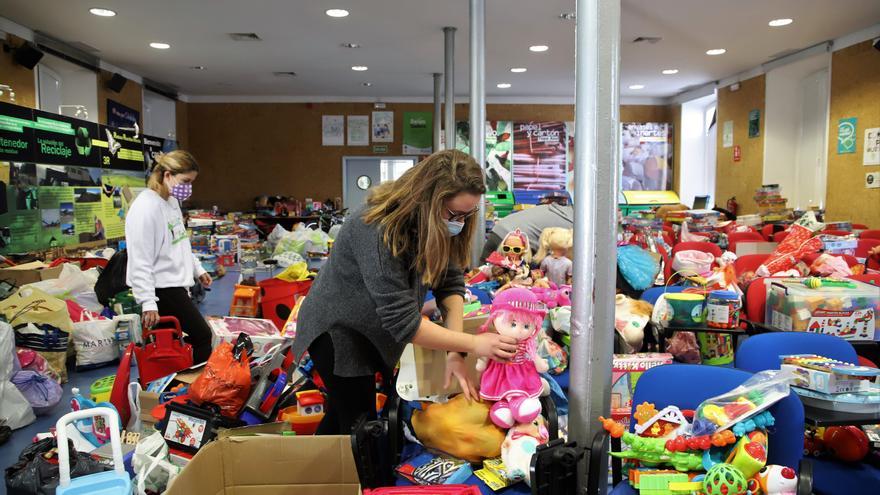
x=518 y=377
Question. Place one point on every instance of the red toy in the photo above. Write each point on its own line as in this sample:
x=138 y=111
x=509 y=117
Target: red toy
x=847 y=443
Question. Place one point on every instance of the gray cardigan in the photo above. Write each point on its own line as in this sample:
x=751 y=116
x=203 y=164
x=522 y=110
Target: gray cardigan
x=367 y=300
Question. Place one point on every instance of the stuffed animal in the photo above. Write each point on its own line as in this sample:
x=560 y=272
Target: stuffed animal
x=519 y=446
x=460 y=428
x=631 y=317
x=514 y=386
x=554 y=296
x=777 y=480
x=553 y=254
x=560 y=319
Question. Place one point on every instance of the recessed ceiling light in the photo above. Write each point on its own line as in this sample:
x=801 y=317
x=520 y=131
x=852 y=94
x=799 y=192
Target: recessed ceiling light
x=636 y=86
x=503 y=85
x=716 y=51
x=160 y=46
x=539 y=48
x=518 y=70
x=359 y=68
x=367 y=84
x=198 y=67
x=337 y=13
x=779 y=22
x=102 y=12
x=351 y=45
x=670 y=72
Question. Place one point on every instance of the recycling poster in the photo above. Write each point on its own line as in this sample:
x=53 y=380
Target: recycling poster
x=66 y=181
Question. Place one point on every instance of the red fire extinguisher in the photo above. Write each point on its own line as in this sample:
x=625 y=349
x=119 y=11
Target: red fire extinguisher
x=732 y=205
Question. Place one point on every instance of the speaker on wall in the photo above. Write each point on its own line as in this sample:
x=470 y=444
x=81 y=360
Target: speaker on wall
x=27 y=55
x=117 y=82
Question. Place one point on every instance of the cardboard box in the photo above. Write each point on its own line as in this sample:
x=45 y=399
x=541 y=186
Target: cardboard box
x=149 y=400
x=30 y=273
x=743 y=248
x=270 y=465
x=626 y=369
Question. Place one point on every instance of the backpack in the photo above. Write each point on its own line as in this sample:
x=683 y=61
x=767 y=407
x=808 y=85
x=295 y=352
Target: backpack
x=112 y=280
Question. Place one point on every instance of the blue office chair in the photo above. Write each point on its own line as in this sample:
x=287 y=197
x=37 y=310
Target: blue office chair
x=651 y=295
x=686 y=386
x=761 y=352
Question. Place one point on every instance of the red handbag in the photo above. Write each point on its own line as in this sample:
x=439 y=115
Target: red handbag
x=119 y=392
x=163 y=351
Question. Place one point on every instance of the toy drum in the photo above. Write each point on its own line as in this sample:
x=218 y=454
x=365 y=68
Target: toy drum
x=722 y=309
x=686 y=309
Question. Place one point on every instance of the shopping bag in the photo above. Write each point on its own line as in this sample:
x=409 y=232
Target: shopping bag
x=42 y=323
x=36 y=472
x=163 y=351
x=153 y=471
x=14 y=407
x=226 y=381
x=73 y=284
x=94 y=340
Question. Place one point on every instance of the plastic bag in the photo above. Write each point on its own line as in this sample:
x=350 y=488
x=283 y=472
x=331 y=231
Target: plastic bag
x=288 y=259
x=34 y=474
x=42 y=323
x=73 y=284
x=683 y=346
x=638 y=267
x=153 y=471
x=303 y=241
x=295 y=273
x=275 y=236
x=41 y=392
x=95 y=342
x=14 y=407
x=693 y=262
x=560 y=319
x=226 y=381
x=796 y=245
x=756 y=394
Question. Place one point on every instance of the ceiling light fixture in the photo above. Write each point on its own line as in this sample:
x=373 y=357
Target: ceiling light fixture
x=197 y=67
x=670 y=72
x=351 y=45
x=779 y=22
x=539 y=48
x=636 y=86
x=518 y=70
x=367 y=84
x=502 y=85
x=102 y=12
x=159 y=45
x=716 y=51
x=359 y=68
x=337 y=13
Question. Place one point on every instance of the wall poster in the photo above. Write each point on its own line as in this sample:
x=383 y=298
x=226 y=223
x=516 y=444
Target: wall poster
x=871 y=155
x=846 y=136
x=754 y=123
x=358 y=130
x=727 y=134
x=383 y=127
x=119 y=115
x=332 y=130
x=646 y=156
x=418 y=137
x=539 y=156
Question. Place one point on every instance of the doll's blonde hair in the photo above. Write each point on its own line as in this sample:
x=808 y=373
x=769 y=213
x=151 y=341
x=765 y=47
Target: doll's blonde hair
x=553 y=238
x=527 y=248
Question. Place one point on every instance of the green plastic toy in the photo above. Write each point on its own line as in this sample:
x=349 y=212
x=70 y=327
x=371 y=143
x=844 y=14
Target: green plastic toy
x=658 y=484
x=724 y=479
x=653 y=450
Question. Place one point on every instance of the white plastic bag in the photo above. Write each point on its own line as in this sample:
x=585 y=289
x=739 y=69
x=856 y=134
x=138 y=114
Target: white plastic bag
x=14 y=408
x=74 y=284
x=691 y=261
x=152 y=469
x=94 y=341
x=276 y=235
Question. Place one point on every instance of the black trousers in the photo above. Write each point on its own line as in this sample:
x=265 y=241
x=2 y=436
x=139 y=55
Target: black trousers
x=348 y=398
x=175 y=301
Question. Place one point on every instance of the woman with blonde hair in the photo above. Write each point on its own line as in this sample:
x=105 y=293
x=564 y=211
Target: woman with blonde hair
x=161 y=264
x=412 y=235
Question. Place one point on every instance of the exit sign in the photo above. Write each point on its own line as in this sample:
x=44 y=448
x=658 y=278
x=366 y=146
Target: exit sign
x=380 y=148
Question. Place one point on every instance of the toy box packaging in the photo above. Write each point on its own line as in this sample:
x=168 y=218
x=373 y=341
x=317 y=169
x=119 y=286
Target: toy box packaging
x=626 y=369
x=839 y=245
x=827 y=375
x=849 y=312
x=263 y=333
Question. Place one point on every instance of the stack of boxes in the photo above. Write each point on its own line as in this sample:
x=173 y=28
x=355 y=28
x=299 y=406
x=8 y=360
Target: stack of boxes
x=771 y=205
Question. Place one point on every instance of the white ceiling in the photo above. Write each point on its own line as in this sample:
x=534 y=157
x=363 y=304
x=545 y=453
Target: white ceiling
x=402 y=42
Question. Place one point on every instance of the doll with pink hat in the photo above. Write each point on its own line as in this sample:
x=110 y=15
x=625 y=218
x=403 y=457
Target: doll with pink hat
x=515 y=385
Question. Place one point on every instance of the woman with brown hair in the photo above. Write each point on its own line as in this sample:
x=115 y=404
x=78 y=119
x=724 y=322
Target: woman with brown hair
x=161 y=265
x=413 y=235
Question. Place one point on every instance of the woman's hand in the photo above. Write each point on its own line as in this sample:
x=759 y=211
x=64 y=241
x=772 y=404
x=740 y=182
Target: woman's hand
x=455 y=367
x=494 y=346
x=150 y=318
x=206 y=280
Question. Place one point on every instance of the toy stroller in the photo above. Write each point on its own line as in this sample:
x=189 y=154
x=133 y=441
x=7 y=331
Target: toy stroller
x=114 y=482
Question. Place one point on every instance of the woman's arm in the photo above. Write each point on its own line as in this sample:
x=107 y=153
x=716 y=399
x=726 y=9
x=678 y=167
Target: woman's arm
x=488 y=344
x=143 y=235
x=453 y=312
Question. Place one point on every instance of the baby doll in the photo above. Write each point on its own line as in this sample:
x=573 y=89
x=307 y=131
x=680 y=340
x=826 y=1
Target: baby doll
x=514 y=386
x=552 y=254
x=521 y=443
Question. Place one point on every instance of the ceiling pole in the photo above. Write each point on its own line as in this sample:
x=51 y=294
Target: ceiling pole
x=478 y=113
x=597 y=61
x=449 y=79
x=438 y=109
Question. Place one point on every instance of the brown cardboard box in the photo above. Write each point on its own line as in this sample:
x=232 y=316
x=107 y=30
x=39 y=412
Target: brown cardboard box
x=270 y=465
x=29 y=273
x=743 y=248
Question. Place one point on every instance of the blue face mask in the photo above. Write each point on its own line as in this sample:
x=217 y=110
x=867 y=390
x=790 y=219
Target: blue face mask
x=454 y=227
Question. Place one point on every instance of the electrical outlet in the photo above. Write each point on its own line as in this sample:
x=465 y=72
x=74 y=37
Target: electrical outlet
x=872 y=180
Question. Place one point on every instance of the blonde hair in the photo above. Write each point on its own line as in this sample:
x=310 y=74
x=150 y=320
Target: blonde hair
x=175 y=162
x=553 y=238
x=527 y=247
x=410 y=211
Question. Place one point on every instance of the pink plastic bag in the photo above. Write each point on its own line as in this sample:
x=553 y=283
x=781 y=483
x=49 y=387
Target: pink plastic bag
x=692 y=262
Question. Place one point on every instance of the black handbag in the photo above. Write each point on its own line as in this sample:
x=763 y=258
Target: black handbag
x=112 y=281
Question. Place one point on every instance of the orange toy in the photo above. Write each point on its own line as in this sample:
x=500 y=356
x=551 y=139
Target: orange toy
x=613 y=428
x=723 y=438
x=245 y=301
x=644 y=412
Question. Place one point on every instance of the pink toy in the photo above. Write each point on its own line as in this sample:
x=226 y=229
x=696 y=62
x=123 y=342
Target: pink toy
x=516 y=385
x=553 y=296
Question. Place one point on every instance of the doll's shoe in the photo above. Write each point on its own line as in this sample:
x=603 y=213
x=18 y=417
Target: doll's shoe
x=525 y=409
x=501 y=415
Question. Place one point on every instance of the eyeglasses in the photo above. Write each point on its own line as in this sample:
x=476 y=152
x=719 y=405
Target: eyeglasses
x=460 y=217
x=512 y=249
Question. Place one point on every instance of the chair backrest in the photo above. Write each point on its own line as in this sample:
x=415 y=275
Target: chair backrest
x=749 y=262
x=870 y=234
x=737 y=237
x=868 y=278
x=651 y=295
x=767 y=231
x=761 y=352
x=706 y=247
x=780 y=236
x=851 y=261
x=687 y=385
x=756 y=300
x=859 y=226
x=841 y=233
x=865 y=245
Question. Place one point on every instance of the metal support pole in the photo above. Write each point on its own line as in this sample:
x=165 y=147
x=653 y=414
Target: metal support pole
x=478 y=112
x=449 y=80
x=438 y=109
x=597 y=137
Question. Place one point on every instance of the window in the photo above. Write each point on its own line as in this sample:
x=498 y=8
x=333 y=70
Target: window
x=393 y=169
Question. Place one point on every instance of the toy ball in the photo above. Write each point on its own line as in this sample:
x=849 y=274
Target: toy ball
x=847 y=443
x=724 y=479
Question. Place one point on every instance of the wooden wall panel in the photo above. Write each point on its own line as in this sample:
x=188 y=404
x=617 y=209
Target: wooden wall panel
x=20 y=78
x=675 y=119
x=741 y=178
x=646 y=113
x=855 y=92
x=132 y=96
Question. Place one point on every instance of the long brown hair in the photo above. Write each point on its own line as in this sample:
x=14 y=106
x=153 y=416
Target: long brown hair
x=176 y=162
x=410 y=212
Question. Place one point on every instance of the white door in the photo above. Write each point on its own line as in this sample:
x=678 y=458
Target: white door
x=360 y=173
x=811 y=160
x=50 y=89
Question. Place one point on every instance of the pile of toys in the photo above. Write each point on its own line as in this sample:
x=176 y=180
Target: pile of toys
x=771 y=205
x=721 y=451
